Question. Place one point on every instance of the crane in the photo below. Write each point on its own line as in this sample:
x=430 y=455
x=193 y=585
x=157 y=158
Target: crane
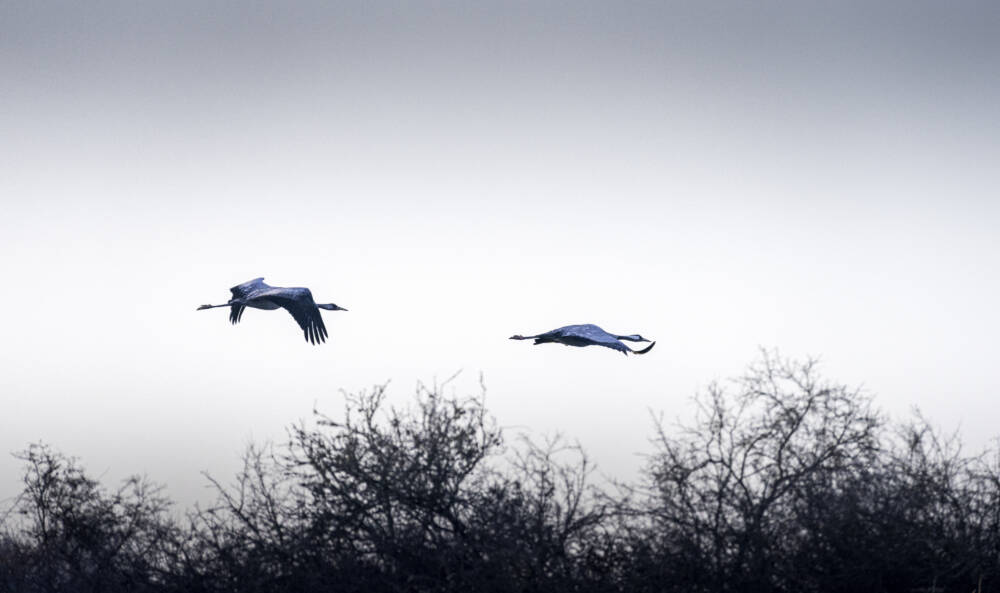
x=297 y=301
x=588 y=334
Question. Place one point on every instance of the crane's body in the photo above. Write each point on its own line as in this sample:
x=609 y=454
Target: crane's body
x=588 y=334
x=296 y=300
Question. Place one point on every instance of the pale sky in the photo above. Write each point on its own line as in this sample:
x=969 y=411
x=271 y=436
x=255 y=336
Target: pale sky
x=715 y=176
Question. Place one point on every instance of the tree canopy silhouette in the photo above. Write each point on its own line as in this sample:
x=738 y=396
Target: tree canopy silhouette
x=782 y=481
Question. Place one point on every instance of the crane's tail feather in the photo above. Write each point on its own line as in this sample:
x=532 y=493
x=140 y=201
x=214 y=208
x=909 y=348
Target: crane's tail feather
x=644 y=350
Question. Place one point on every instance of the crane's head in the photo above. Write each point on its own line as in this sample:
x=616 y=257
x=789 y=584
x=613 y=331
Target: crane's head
x=331 y=307
x=634 y=338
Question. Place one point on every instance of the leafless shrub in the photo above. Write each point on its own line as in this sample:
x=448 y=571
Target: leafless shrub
x=75 y=536
x=782 y=482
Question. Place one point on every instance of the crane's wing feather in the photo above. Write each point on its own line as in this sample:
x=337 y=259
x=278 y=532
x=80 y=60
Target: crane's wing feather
x=243 y=291
x=610 y=342
x=644 y=350
x=236 y=313
x=300 y=304
x=590 y=334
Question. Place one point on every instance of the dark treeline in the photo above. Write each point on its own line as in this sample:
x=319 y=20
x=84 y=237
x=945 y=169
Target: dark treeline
x=782 y=482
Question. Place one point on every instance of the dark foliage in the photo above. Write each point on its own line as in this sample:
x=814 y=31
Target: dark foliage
x=782 y=482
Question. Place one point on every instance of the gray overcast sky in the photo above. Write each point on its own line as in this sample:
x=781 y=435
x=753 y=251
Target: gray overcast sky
x=716 y=175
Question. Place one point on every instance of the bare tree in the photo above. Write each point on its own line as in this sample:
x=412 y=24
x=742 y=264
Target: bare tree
x=420 y=498
x=720 y=491
x=782 y=482
x=82 y=538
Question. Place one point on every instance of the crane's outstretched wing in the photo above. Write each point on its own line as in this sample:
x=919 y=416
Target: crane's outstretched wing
x=590 y=334
x=610 y=342
x=242 y=291
x=299 y=302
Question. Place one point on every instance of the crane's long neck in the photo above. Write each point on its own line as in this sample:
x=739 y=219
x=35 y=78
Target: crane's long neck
x=520 y=337
x=632 y=338
x=331 y=307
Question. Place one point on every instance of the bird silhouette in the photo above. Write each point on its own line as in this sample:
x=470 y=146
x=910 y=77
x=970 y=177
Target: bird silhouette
x=588 y=334
x=297 y=301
